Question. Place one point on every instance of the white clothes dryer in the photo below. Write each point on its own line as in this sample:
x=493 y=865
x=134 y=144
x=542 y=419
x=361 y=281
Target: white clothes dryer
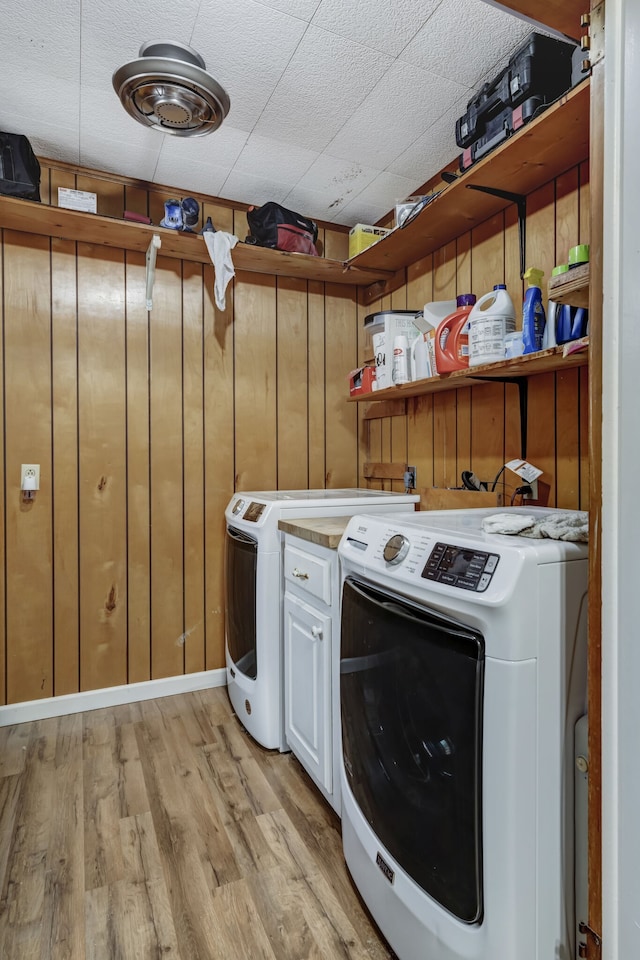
x=462 y=675
x=254 y=590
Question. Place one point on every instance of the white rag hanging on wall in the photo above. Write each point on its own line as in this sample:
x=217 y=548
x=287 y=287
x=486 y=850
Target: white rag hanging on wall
x=220 y=245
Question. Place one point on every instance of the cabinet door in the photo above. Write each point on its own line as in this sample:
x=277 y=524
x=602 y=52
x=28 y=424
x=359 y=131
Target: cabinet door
x=307 y=667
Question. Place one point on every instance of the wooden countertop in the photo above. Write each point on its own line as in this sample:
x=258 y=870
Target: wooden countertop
x=325 y=531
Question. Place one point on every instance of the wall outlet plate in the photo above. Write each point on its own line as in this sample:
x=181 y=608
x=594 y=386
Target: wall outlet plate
x=30 y=470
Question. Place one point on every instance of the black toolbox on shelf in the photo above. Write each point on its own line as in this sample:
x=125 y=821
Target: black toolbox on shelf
x=538 y=73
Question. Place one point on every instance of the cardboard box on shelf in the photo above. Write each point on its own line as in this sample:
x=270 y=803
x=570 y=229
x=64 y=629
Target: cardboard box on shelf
x=362 y=380
x=362 y=236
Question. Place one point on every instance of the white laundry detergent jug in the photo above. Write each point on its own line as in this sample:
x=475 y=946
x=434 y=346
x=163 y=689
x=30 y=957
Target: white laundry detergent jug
x=490 y=320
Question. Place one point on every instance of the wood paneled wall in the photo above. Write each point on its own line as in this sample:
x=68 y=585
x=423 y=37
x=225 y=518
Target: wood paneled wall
x=478 y=428
x=144 y=424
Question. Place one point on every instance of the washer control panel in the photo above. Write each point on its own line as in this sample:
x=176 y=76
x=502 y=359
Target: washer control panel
x=460 y=567
x=396 y=549
x=254 y=511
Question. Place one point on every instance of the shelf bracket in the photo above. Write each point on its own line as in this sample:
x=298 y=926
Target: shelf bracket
x=523 y=397
x=518 y=198
x=521 y=202
x=152 y=252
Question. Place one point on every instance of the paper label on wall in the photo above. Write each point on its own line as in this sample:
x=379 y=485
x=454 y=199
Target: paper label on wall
x=77 y=200
x=526 y=470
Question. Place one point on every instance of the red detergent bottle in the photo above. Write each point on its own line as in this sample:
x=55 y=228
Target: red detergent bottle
x=452 y=336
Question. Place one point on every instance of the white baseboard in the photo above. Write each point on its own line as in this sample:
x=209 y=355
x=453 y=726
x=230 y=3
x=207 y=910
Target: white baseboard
x=109 y=696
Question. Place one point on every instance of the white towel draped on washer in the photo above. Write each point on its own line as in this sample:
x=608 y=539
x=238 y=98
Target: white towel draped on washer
x=557 y=526
x=220 y=245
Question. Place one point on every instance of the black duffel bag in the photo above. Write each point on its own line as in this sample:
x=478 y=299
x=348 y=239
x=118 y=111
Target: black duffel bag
x=274 y=226
x=19 y=167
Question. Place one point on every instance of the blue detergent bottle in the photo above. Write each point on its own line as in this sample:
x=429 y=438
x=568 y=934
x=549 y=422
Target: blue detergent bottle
x=564 y=324
x=533 y=316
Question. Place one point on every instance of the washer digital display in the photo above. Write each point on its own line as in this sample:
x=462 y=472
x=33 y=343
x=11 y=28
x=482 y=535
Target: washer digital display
x=460 y=567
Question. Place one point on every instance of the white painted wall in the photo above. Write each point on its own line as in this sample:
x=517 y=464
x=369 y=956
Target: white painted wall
x=621 y=480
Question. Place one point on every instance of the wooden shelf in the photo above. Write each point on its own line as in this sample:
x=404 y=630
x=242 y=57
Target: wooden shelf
x=546 y=147
x=546 y=361
x=571 y=287
x=562 y=15
x=36 y=218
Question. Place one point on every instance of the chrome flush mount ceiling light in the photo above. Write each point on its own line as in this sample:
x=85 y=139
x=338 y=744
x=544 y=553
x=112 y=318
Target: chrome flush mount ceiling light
x=168 y=89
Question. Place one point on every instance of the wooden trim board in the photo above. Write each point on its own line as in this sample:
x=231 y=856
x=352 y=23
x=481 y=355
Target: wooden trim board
x=109 y=697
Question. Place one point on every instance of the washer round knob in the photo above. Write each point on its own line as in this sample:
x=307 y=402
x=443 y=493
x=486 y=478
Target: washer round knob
x=396 y=549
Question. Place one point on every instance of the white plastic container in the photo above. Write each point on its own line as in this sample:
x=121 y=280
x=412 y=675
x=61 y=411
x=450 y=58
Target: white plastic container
x=513 y=345
x=490 y=320
x=390 y=324
x=383 y=372
x=400 y=360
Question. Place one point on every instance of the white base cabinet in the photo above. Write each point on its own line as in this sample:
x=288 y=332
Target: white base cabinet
x=311 y=661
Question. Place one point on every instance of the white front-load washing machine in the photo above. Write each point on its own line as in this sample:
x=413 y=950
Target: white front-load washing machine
x=254 y=592
x=462 y=675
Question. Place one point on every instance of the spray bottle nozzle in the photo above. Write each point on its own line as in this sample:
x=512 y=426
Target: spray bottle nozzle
x=533 y=276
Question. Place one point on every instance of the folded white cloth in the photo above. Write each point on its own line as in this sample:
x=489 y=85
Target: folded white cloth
x=511 y=523
x=220 y=245
x=572 y=526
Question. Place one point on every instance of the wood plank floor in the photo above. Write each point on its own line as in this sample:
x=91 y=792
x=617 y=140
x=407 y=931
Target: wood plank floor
x=161 y=830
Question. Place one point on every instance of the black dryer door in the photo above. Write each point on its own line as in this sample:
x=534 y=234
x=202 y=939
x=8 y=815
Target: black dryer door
x=411 y=684
x=241 y=561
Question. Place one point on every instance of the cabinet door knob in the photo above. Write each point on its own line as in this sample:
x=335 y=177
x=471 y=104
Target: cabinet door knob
x=316 y=633
x=299 y=574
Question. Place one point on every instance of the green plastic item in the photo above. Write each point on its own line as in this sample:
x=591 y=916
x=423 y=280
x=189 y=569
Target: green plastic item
x=533 y=276
x=560 y=268
x=579 y=254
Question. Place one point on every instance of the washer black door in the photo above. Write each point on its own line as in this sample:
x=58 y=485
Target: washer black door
x=240 y=600
x=411 y=703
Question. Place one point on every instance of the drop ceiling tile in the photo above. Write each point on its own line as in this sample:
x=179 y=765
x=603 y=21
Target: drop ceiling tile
x=246 y=46
x=336 y=180
x=359 y=211
x=127 y=159
x=303 y=9
x=45 y=37
x=112 y=33
x=54 y=101
x=435 y=149
x=327 y=78
x=253 y=189
x=145 y=20
x=188 y=176
x=378 y=24
x=465 y=54
x=310 y=203
x=382 y=193
x=221 y=148
x=404 y=103
x=273 y=160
